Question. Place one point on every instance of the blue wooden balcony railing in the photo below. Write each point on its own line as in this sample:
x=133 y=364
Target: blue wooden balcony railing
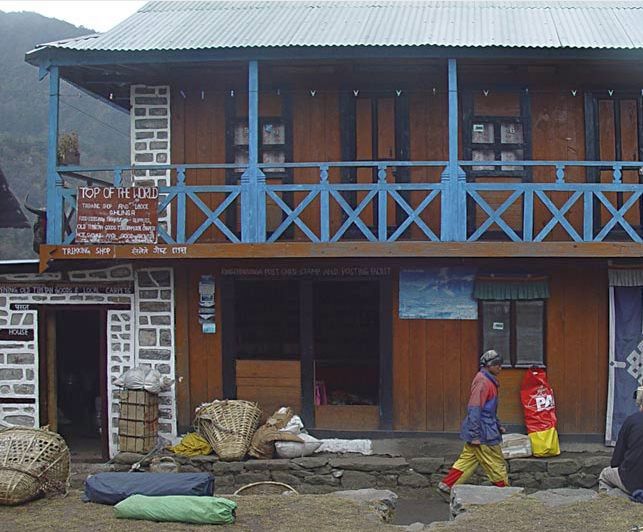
x=384 y=210
x=419 y=206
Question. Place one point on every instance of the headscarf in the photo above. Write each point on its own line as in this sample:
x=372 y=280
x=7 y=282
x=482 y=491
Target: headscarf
x=639 y=396
x=489 y=358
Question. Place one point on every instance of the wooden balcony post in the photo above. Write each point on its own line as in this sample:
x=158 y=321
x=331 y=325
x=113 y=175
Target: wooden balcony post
x=454 y=200
x=253 y=201
x=54 y=182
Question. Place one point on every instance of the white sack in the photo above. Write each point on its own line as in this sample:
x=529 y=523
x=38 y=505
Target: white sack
x=335 y=445
x=294 y=449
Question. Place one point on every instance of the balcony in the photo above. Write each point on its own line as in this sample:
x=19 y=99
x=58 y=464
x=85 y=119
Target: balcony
x=385 y=211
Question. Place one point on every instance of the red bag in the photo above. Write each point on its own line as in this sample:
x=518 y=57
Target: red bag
x=540 y=413
x=537 y=401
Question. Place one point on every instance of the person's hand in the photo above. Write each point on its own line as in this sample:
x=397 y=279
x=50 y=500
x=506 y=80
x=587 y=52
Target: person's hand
x=503 y=430
x=475 y=442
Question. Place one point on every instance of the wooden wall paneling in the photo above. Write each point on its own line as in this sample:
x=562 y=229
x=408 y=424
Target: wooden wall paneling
x=601 y=288
x=182 y=368
x=576 y=331
x=402 y=150
x=420 y=361
x=347 y=417
x=307 y=350
x=419 y=130
x=470 y=355
x=205 y=350
x=428 y=132
x=607 y=149
x=584 y=313
x=386 y=353
x=43 y=365
x=193 y=216
x=52 y=374
x=308 y=145
x=204 y=155
x=197 y=345
x=509 y=406
x=333 y=147
x=214 y=113
x=629 y=152
x=366 y=123
x=271 y=383
x=498 y=103
x=557 y=127
x=556 y=351
x=452 y=355
x=590 y=314
x=435 y=333
x=348 y=142
x=177 y=137
x=401 y=365
x=178 y=127
x=386 y=148
x=215 y=360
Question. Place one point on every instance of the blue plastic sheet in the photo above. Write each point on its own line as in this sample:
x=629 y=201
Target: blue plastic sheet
x=112 y=488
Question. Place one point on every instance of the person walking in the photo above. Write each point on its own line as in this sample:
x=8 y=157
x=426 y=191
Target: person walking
x=481 y=430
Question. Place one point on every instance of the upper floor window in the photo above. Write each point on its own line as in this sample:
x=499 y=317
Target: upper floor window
x=272 y=143
x=497 y=128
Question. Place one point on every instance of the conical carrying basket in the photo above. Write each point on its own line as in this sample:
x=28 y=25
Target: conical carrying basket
x=33 y=463
x=228 y=426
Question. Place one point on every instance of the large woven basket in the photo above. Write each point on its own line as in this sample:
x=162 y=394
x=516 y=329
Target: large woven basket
x=228 y=426
x=33 y=463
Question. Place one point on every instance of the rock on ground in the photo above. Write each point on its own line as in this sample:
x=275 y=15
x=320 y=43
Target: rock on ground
x=382 y=501
x=463 y=497
x=563 y=496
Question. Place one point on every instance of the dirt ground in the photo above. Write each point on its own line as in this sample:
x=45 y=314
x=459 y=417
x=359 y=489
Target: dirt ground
x=255 y=513
x=329 y=514
x=518 y=514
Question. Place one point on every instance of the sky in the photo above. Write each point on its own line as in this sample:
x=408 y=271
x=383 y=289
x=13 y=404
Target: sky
x=99 y=15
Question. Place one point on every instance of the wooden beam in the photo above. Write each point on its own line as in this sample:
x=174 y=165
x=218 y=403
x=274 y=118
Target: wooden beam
x=50 y=253
x=183 y=314
x=52 y=380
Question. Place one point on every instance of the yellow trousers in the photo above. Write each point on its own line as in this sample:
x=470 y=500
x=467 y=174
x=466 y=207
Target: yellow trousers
x=488 y=456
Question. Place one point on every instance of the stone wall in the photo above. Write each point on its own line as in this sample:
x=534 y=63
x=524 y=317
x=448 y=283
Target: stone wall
x=326 y=473
x=140 y=333
x=150 y=133
x=155 y=333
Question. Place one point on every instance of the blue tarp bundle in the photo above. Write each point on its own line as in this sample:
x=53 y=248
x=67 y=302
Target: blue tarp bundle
x=112 y=488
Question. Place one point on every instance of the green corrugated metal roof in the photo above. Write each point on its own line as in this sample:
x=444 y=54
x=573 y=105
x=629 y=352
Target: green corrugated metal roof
x=192 y=25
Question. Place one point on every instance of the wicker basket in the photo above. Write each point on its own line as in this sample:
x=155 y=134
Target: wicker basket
x=228 y=426
x=33 y=462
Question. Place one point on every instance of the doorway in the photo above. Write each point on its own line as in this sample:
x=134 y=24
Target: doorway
x=346 y=352
x=374 y=127
x=323 y=347
x=76 y=376
x=614 y=132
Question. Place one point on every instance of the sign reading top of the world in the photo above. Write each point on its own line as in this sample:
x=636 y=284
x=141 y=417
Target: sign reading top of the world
x=438 y=294
x=117 y=215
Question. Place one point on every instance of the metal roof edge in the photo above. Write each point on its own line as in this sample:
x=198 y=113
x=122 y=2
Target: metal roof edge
x=68 y=58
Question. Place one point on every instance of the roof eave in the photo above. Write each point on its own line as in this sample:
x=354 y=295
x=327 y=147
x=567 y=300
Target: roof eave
x=48 y=55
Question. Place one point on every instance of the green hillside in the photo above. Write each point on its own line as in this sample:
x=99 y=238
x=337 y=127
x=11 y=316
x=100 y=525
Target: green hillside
x=103 y=131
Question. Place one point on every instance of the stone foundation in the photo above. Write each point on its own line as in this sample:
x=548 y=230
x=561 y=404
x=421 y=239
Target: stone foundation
x=326 y=473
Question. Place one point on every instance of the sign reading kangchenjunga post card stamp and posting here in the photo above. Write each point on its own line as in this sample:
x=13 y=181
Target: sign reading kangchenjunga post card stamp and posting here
x=117 y=215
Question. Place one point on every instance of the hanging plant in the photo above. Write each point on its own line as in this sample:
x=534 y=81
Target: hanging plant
x=67 y=152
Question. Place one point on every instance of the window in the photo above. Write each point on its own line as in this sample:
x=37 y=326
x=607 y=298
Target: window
x=516 y=329
x=497 y=129
x=272 y=144
x=275 y=147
